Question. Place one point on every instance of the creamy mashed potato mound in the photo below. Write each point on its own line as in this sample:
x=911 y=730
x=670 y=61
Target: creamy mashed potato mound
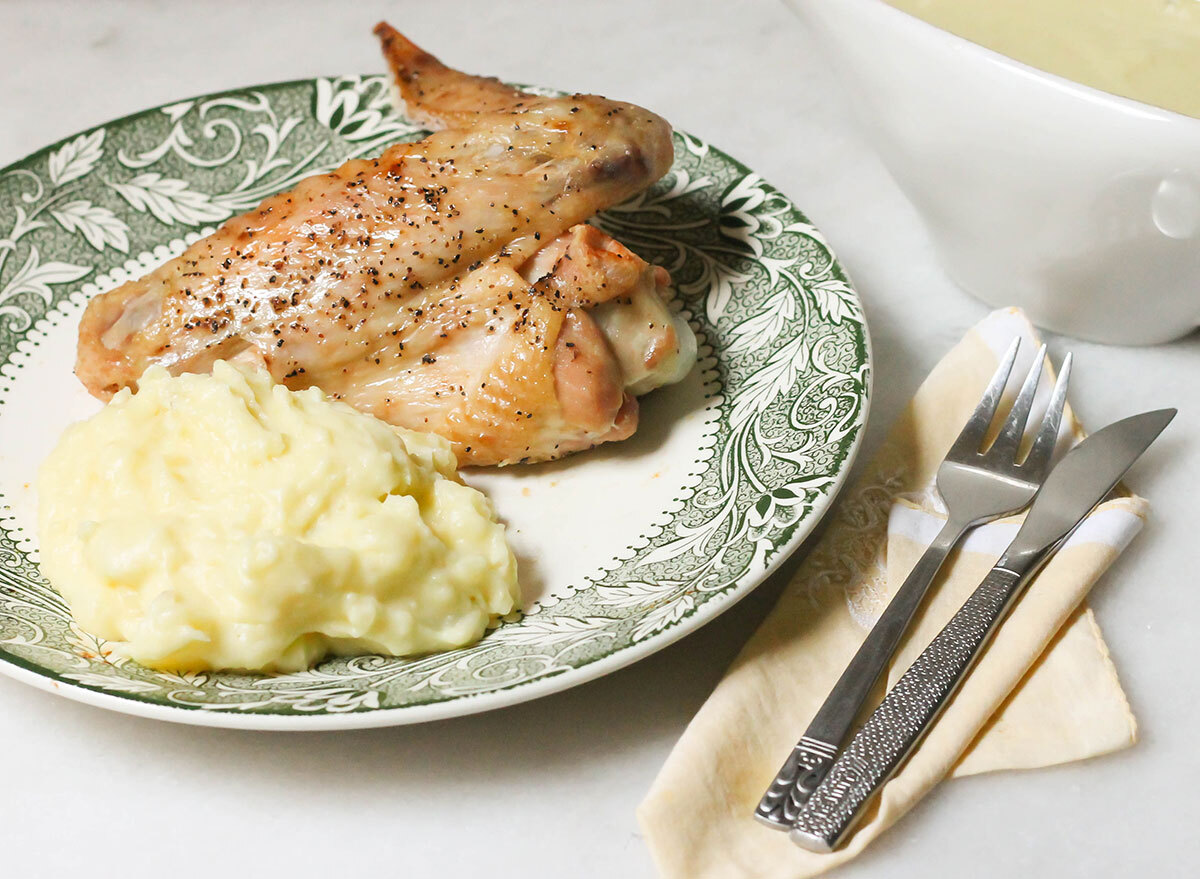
x=223 y=521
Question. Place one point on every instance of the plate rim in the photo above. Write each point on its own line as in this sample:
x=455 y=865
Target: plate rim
x=21 y=670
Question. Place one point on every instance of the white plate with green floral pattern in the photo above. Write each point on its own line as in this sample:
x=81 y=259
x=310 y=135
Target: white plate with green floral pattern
x=622 y=549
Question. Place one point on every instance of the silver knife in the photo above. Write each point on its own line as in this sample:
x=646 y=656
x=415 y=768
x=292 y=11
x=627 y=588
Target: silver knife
x=1073 y=489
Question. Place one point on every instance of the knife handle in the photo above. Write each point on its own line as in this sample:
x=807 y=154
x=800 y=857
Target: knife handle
x=905 y=715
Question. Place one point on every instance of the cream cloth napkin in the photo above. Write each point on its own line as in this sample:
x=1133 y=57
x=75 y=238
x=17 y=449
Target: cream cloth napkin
x=1044 y=692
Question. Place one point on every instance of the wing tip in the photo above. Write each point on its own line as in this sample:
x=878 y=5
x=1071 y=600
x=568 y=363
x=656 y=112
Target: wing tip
x=385 y=31
x=399 y=49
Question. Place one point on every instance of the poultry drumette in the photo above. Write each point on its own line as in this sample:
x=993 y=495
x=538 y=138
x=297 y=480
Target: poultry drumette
x=447 y=285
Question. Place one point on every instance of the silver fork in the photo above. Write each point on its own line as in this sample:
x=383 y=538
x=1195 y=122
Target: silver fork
x=976 y=486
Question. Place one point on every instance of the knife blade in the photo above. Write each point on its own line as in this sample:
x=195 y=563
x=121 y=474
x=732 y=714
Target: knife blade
x=1080 y=481
x=1073 y=489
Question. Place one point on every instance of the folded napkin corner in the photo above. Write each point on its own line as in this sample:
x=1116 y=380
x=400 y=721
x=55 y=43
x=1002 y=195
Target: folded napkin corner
x=1044 y=692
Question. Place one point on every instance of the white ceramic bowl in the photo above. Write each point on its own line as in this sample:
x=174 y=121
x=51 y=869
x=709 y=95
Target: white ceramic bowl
x=1081 y=207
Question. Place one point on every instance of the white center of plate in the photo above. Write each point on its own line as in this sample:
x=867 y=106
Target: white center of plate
x=567 y=520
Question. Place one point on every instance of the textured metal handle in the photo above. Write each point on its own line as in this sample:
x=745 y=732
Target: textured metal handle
x=812 y=756
x=904 y=716
x=799 y=776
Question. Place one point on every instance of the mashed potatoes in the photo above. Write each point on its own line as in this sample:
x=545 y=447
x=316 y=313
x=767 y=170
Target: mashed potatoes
x=226 y=522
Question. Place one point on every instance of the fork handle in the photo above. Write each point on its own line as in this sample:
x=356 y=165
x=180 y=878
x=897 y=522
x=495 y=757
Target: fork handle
x=905 y=715
x=812 y=756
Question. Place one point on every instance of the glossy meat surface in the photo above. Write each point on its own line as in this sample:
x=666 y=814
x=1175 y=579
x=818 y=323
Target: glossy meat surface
x=447 y=285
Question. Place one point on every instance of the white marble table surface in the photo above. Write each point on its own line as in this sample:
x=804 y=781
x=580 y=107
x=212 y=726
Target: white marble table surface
x=548 y=789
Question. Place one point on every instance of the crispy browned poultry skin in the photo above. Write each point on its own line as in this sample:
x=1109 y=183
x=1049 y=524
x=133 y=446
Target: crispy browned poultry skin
x=444 y=286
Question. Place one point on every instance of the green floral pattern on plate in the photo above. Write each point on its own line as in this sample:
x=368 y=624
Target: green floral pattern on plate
x=783 y=339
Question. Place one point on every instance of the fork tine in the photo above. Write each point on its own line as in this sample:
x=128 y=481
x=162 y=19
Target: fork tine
x=1008 y=442
x=1040 y=454
x=971 y=438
